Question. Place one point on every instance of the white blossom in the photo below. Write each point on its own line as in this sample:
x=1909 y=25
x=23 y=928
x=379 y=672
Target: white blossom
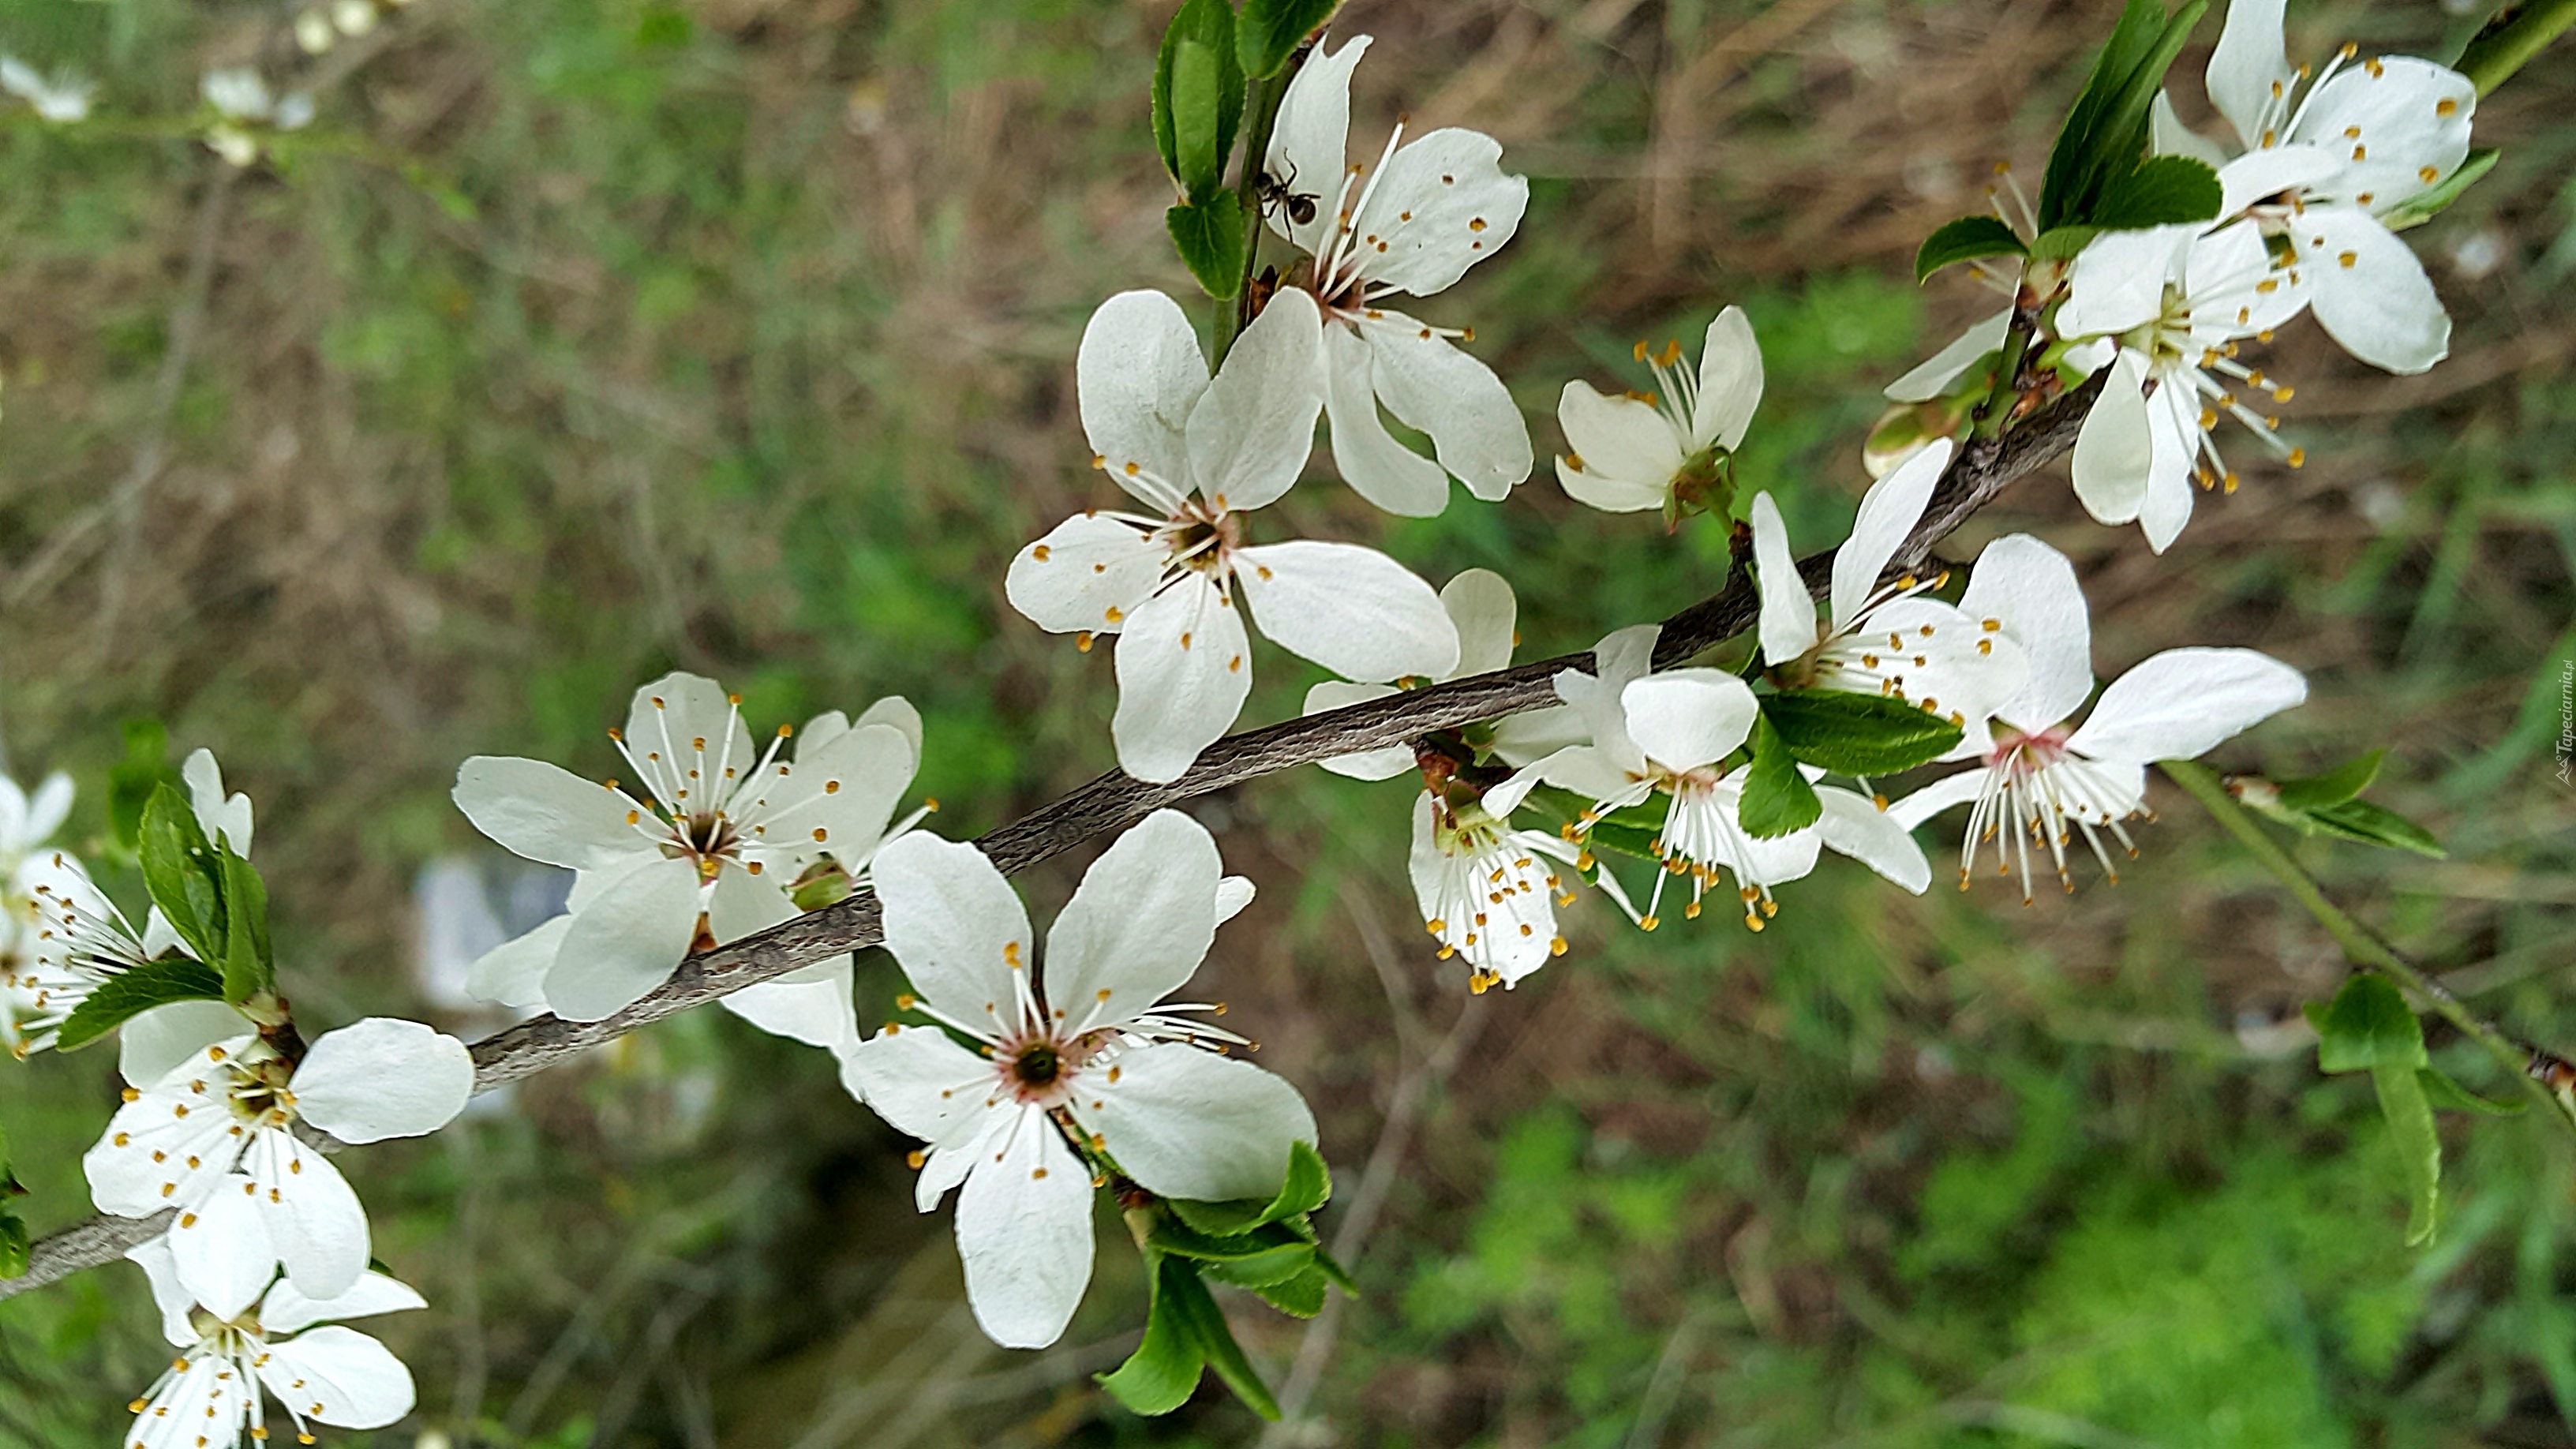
x=61 y=97
x=1086 y=1069
x=244 y=104
x=1489 y=891
x=1672 y=448
x=221 y=1124
x=703 y=853
x=1480 y=605
x=1879 y=639
x=1202 y=455
x=237 y=1337
x=1434 y=207
x=2322 y=164
x=2041 y=778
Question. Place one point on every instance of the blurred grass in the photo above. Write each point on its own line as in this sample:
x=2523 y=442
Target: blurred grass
x=586 y=338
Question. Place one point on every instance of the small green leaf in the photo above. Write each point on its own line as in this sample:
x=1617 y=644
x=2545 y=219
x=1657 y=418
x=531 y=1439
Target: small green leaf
x=130 y=993
x=2424 y=206
x=1210 y=238
x=2159 y=191
x=249 y=965
x=2333 y=787
x=1189 y=1299
x=1198 y=97
x=2419 y=1147
x=1269 y=1266
x=2061 y=243
x=182 y=872
x=2444 y=1092
x=15 y=1246
x=131 y=781
x=2367 y=1026
x=1857 y=734
x=2106 y=130
x=2376 y=825
x=1304 y=1186
x=1965 y=240
x=1301 y=1296
x=1164 y=1370
x=1777 y=798
x=1622 y=839
x=1269 y=32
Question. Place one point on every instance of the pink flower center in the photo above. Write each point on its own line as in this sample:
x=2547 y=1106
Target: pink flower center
x=2023 y=755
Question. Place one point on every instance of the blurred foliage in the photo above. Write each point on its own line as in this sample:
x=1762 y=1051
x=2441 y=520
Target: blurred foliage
x=584 y=338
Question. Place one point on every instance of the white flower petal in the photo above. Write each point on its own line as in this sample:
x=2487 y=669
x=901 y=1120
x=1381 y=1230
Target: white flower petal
x=1138 y=373
x=338 y=1376
x=546 y=813
x=2369 y=292
x=45 y=811
x=1183 y=670
x=1024 y=1229
x=625 y=941
x=312 y=1214
x=2030 y=589
x=955 y=926
x=1383 y=764
x=155 y=1043
x=2170 y=137
x=2113 y=450
x=1626 y=451
x=2235 y=290
x=288 y=1309
x=894 y=710
x=1139 y=924
x=926 y=1085
x=743 y=904
x=1233 y=893
x=1350 y=609
x=2259 y=174
x=1309 y=141
x=2118 y=281
x=818 y=1011
x=2182 y=703
x=1788 y=612
x=161 y=1270
x=217 y=814
x=1686 y=718
x=222 y=1250
x=1088 y=573
x=1942 y=794
x=1518 y=739
x=1477 y=431
x=1481 y=606
x=693 y=708
x=1935 y=374
x=2173 y=442
x=2246 y=65
x=1250 y=434
x=1888 y=512
x=1190 y=1124
x=835 y=801
x=1730 y=382
x=1442 y=205
x=1378 y=468
x=2387 y=125
x=383 y=1077
x=171 y=1144
x=513 y=974
x=1856 y=827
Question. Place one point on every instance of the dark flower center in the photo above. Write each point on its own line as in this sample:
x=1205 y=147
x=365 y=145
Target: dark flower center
x=1037 y=1065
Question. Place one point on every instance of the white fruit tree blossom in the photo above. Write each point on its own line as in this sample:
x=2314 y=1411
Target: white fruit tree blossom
x=1671 y=449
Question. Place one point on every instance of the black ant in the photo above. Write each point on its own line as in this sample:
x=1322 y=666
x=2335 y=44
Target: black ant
x=1300 y=205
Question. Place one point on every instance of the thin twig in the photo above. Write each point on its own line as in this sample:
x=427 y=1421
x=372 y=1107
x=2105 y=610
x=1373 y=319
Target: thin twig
x=1982 y=470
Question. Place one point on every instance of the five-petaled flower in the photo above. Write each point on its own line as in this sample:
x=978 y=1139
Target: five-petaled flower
x=2041 y=779
x=705 y=856
x=1202 y=454
x=1884 y=639
x=2173 y=304
x=1434 y=207
x=223 y=1123
x=1086 y=1071
x=238 y=1336
x=2322 y=168
x=1489 y=891
x=1673 y=448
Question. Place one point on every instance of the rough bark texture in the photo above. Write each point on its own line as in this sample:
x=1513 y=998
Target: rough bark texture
x=1114 y=801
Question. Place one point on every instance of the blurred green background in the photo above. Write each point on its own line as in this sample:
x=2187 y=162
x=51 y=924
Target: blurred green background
x=581 y=339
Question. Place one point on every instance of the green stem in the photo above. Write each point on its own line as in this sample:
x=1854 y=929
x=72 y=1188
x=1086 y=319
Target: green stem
x=2361 y=946
x=1233 y=313
x=1992 y=414
x=2514 y=36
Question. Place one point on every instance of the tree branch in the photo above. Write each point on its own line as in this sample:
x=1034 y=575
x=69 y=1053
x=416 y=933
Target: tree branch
x=1983 y=469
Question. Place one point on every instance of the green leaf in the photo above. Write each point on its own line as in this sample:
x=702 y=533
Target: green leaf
x=1198 y=97
x=1269 y=32
x=2447 y=1093
x=1188 y=1299
x=1164 y=1370
x=1621 y=839
x=131 y=781
x=2368 y=1026
x=2106 y=130
x=1271 y=1265
x=1965 y=240
x=2424 y=206
x=2061 y=243
x=2333 y=787
x=129 y=994
x=249 y=965
x=1857 y=734
x=2419 y=1147
x=2159 y=191
x=15 y=1246
x=2376 y=825
x=1210 y=238
x=1777 y=797
x=1299 y=1297
x=1305 y=1186
x=182 y=872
